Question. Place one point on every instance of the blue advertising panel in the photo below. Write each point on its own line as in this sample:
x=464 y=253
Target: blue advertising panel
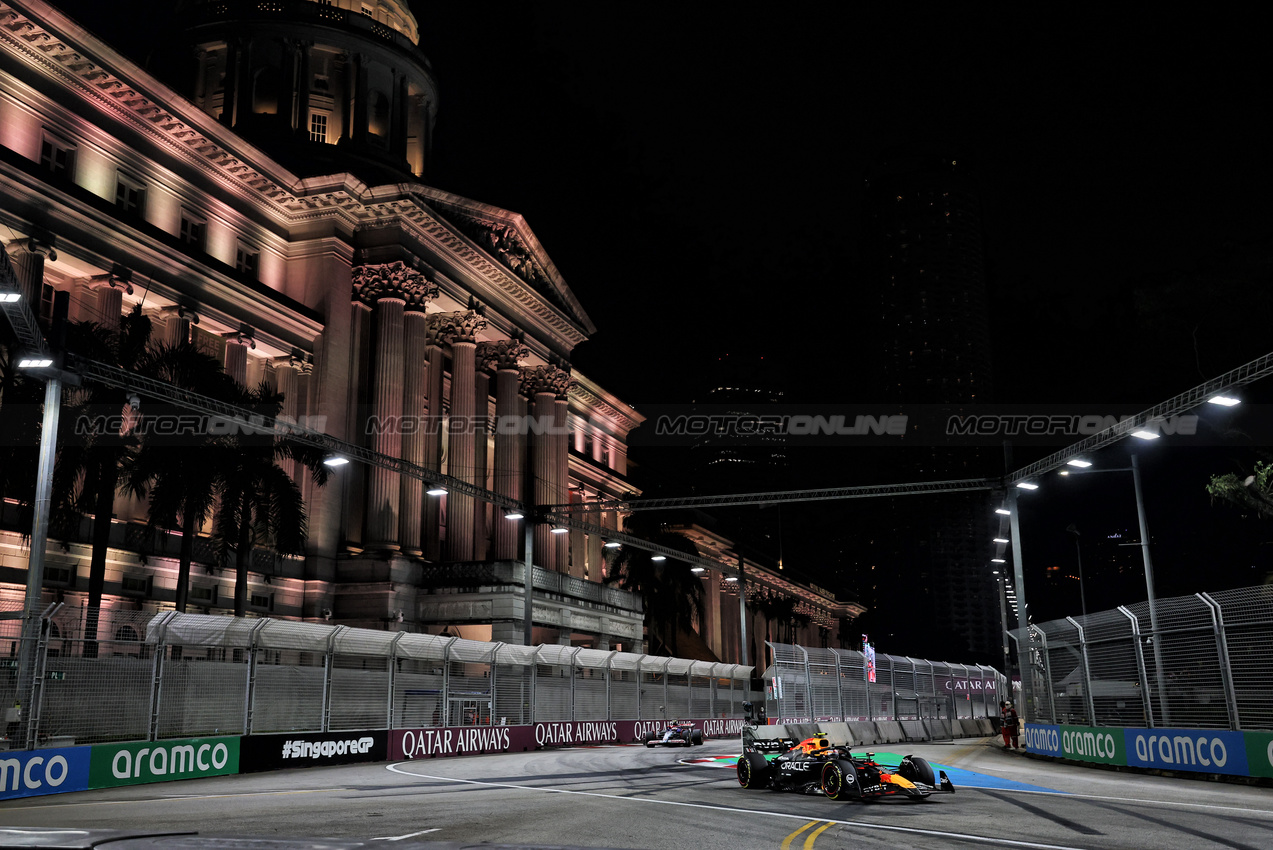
x=1042 y=739
x=1202 y=750
x=33 y=772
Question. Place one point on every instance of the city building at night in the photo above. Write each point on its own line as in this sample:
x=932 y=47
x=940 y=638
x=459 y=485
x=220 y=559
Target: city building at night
x=262 y=197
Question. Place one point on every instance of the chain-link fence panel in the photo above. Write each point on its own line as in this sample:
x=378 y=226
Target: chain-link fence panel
x=1068 y=673
x=358 y=693
x=1247 y=620
x=417 y=693
x=201 y=695
x=1182 y=663
x=653 y=695
x=288 y=697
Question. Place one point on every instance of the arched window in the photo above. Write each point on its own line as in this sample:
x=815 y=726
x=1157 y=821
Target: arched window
x=126 y=633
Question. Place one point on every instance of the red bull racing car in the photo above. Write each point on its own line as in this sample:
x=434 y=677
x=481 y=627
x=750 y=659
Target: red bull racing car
x=678 y=734
x=813 y=766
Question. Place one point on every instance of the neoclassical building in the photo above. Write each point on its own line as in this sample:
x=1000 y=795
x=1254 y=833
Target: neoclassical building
x=261 y=195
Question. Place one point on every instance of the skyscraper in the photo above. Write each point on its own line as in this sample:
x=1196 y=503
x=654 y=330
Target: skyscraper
x=924 y=260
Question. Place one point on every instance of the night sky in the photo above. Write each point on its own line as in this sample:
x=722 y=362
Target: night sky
x=696 y=174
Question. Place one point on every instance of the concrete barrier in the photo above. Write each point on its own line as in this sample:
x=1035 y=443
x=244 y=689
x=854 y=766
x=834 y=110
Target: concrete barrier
x=838 y=734
x=968 y=728
x=863 y=732
x=890 y=731
x=770 y=733
x=800 y=731
x=914 y=730
x=984 y=726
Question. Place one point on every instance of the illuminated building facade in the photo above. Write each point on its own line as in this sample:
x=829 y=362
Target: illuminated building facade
x=264 y=200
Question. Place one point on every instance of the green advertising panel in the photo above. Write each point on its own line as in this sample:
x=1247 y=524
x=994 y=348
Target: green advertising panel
x=162 y=761
x=1259 y=753
x=1103 y=745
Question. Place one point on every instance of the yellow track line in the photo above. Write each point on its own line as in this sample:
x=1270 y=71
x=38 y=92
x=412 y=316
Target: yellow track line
x=786 y=842
x=813 y=836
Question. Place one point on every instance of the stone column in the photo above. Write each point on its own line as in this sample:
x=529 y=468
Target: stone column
x=34 y=252
x=545 y=384
x=460 y=331
x=389 y=289
x=433 y=443
x=711 y=611
x=236 y=353
x=285 y=374
x=178 y=322
x=481 y=459
x=111 y=289
x=595 y=552
x=577 y=557
x=414 y=406
x=561 y=474
x=503 y=358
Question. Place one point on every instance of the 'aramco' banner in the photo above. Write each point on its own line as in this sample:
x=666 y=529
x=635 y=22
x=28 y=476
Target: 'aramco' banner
x=52 y=771
x=1204 y=750
x=162 y=761
x=1198 y=750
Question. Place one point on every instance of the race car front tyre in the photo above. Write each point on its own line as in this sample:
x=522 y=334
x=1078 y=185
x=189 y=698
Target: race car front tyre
x=839 y=780
x=917 y=769
x=753 y=771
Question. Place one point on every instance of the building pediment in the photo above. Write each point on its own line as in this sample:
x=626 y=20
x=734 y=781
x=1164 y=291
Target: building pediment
x=507 y=238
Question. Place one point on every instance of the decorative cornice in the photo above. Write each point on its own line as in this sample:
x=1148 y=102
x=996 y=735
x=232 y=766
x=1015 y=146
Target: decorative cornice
x=393 y=280
x=450 y=328
x=591 y=402
x=173 y=123
x=500 y=354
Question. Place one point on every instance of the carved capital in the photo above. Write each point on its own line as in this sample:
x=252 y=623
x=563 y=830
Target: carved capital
x=501 y=354
x=450 y=328
x=43 y=246
x=546 y=379
x=393 y=280
x=120 y=277
x=245 y=335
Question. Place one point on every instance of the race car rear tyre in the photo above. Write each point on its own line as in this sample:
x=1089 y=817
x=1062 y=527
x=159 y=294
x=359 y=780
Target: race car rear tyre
x=696 y=738
x=917 y=769
x=753 y=771
x=839 y=780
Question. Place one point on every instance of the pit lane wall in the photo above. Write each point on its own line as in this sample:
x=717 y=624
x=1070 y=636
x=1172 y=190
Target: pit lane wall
x=1194 y=750
x=60 y=770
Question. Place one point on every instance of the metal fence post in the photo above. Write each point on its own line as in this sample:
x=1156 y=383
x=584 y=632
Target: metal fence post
x=839 y=685
x=609 y=685
x=157 y=674
x=573 y=694
x=393 y=679
x=1226 y=671
x=40 y=658
x=249 y=695
x=534 y=681
x=1087 y=672
x=892 y=685
x=1047 y=672
x=329 y=660
x=808 y=685
x=1140 y=668
x=446 y=683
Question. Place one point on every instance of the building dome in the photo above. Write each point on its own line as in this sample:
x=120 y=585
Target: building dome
x=323 y=85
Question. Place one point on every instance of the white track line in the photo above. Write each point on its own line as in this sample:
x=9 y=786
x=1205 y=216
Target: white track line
x=408 y=835
x=985 y=839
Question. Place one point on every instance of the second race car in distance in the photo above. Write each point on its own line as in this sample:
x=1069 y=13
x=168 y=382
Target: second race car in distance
x=678 y=734
x=813 y=766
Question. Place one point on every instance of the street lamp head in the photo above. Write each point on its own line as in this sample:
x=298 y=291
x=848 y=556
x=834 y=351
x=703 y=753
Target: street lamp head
x=1145 y=435
x=1003 y=511
x=514 y=515
x=333 y=460
x=1224 y=400
x=436 y=491
x=1026 y=485
x=1081 y=464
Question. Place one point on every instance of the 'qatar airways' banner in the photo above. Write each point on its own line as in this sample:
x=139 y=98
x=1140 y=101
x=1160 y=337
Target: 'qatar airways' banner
x=475 y=740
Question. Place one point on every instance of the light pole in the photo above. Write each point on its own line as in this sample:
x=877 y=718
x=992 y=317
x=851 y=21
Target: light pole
x=1134 y=469
x=1078 y=556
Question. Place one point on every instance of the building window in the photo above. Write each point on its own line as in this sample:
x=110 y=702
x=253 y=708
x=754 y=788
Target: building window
x=61 y=576
x=262 y=601
x=127 y=632
x=317 y=127
x=57 y=156
x=247 y=260
x=130 y=195
x=203 y=594
x=193 y=230
x=135 y=585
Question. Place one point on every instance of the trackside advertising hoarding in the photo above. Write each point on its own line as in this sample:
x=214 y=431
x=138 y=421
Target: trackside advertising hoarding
x=1198 y=750
x=34 y=772
x=277 y=752
x=472 y=740
x=162 y=761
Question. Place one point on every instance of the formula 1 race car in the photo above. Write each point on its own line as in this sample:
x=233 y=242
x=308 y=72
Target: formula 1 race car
x=813 y=766
x=679 y=734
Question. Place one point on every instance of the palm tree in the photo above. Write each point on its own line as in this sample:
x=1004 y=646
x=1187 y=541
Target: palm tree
x=180 y=472
x=86 y=477
x=1253 y=494
x=671 y=592
x=260 y=503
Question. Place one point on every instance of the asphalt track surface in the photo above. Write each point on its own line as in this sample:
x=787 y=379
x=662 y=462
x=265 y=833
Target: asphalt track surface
x=631 y=797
